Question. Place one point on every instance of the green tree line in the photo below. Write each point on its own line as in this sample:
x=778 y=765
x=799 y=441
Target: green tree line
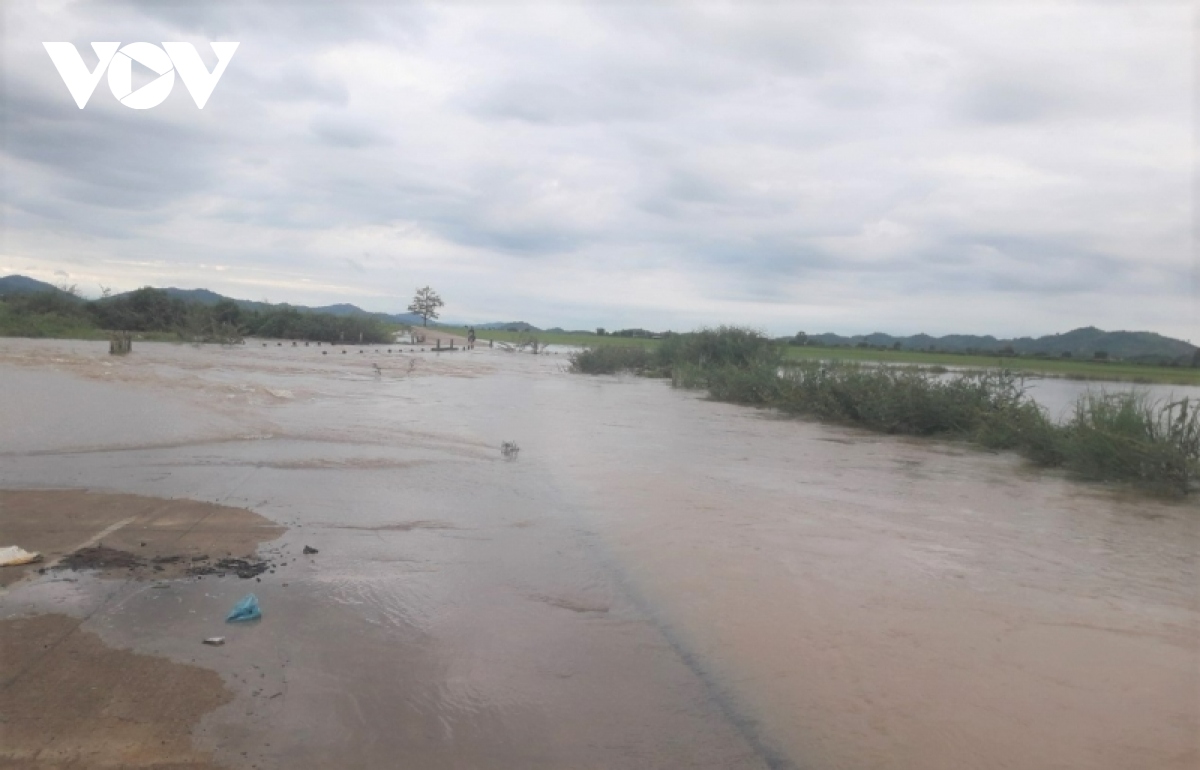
x=55 y=314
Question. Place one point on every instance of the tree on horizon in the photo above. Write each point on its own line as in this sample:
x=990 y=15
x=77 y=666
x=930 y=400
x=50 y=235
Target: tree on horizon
x=425 y=304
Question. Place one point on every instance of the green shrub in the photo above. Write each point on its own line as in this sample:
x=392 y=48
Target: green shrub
x=689 y=376
x=750 y=385
x=905 y=399
x=1125 y=436
x=610 y=359
x=714 y=348
x=44 y=314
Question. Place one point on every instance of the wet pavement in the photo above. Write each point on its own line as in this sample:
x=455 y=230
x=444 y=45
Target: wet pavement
x=655 y=581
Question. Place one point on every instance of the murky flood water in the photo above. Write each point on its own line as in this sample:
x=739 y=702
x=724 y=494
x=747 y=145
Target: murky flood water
x=656 y=581
x=1059 y=396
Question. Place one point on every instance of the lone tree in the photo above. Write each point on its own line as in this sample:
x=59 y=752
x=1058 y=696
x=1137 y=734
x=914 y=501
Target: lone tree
x=425 y=304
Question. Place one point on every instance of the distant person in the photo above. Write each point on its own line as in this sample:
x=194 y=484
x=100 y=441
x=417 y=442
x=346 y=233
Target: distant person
x=470 y=338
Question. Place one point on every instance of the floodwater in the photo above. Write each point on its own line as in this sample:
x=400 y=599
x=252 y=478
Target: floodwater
x=1059 y=396
x=656 y=581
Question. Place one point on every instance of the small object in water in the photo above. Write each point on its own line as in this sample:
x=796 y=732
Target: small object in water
x=215 y=641
x=309 y=550
x=510 y=450
x=15 y=556
x=246 y=609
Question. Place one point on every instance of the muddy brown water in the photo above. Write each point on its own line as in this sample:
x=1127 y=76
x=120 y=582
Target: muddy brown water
x=656 y=581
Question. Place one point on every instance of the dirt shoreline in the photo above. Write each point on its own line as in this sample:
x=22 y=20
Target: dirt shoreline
x=122 y=535
x=72 y=701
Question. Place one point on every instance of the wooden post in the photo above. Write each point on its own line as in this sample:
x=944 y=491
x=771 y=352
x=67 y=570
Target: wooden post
x=120 y=343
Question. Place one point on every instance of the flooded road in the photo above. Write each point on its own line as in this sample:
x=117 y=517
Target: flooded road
x=657 y=581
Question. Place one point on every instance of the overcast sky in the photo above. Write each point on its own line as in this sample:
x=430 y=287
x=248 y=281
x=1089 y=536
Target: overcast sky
x=950 y=168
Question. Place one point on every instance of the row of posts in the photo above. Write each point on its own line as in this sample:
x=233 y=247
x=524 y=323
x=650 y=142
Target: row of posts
x=120 y=343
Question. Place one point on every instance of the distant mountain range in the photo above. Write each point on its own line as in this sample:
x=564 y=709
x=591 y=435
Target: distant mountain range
x=1084 y=342
x=21 y=284
x=206 y=297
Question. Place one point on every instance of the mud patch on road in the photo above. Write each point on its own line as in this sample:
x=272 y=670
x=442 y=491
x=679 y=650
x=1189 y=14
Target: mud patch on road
x=72 y=701
x=129 y=535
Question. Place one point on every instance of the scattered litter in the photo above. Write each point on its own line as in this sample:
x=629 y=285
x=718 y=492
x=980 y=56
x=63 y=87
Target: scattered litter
x=15 y=556
x=246 y=609
x=215 y=641
x=309 y=550
x=240 y=567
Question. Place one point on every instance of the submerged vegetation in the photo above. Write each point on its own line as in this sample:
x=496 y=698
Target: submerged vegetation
x=155 y=313
x=1109 y=437
x=611 y=359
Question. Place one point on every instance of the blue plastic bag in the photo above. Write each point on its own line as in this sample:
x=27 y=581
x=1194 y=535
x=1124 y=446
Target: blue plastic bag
x=246 y=609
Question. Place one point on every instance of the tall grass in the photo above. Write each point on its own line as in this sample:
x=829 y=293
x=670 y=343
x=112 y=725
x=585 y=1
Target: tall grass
x=610 y=360
x=1121 y=437
x=1126 y=436
x=725 y=346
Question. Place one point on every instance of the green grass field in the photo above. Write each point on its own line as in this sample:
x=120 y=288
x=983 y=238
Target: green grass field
x=560 y=338
x=1052 y=367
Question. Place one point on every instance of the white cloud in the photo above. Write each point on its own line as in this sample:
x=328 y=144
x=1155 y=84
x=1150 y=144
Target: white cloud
x=995 y=169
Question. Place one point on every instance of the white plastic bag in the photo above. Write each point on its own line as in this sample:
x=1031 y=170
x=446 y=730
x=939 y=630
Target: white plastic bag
x=14 y=556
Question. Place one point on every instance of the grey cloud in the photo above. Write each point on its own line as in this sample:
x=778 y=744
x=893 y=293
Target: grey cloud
x=298 y=83
x=1019 y=264
x=1015 y=99
x=751 y=153
x=347 y=132
x=297 y=21
x=104 y=156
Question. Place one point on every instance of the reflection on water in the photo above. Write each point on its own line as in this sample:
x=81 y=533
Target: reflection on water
x=1059 y=396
